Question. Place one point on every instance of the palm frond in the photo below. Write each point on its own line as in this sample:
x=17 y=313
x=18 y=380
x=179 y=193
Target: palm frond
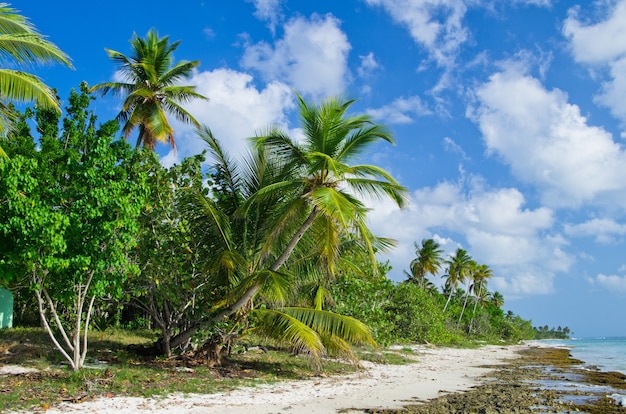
x=285 y=328
x=24 y=87
x=330 y=323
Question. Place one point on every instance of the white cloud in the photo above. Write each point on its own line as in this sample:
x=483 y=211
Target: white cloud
x=602 y=230
x=434 y=24
x=235 y=111
x=401 y=111
x=612 y=283
x=546 y=141
x=496 y=228
x=603 y=44
x=268 y=10
x=312 y=56
x=368 y=65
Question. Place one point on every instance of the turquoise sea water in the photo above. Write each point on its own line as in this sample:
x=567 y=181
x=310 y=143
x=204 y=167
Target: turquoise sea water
x=606 y=353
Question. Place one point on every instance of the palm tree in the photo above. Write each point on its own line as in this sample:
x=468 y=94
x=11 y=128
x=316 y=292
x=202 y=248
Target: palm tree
x=305 y=193
x=151 y=89
x=497 y=299
x=480 y=275
x=21 y=42
x=459 y=267
x=468 y=278
x=428 y=260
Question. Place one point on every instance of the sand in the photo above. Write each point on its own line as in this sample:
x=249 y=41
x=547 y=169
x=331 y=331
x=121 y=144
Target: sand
x=436 y=371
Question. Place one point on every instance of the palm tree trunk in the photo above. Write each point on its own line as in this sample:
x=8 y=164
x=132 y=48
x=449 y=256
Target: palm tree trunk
x=448 y=301
x=464 y=305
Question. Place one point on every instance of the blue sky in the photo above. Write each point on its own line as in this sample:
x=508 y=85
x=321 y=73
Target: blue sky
x=509 y=119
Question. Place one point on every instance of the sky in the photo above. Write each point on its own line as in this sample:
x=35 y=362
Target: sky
x=509 y=119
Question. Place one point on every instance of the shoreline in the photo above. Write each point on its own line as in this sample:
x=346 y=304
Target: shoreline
x=435 y=372
x=528 y=377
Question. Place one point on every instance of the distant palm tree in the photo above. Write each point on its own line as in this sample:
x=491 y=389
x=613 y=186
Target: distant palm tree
x=459 y=267
x=21 y=42
x=151 y=89
x=468 y=278
x=497 y=299
x=428 y=260
x=480 y=275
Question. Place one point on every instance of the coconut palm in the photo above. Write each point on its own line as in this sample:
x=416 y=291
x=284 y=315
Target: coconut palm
x=150 y=89
x=300 y=198
x=480 y=275
x=22 y=44
x=428 y=260
x=497 y=299
x=467 y=279
x=459 y=268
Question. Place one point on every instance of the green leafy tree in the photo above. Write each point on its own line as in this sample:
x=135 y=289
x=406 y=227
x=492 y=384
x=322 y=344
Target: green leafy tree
x=151 y=90
x=70 y=220
x=22 y=44
x=172 y=286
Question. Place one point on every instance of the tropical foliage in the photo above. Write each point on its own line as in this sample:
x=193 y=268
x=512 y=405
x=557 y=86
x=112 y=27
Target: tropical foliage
x=22 y=45
x=69 y=221
x=272 y=243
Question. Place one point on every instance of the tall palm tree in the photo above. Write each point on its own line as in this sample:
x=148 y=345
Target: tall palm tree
x=468 y=279
x=24 y=45
x=313 y=192
x=459 y=267
x=428 y=260
x=150 y=89
x=480 y=275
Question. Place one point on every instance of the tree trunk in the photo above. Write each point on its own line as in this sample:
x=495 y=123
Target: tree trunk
x=184 y=336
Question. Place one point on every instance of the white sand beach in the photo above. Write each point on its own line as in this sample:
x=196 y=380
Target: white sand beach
x=436 y=371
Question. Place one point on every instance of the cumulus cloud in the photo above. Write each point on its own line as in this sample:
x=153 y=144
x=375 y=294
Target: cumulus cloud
x=493 y=225
x=436 y=25
x=546 y=141
x=603 y=230
x=603 y=44
x=312 y=56
x=401 y=111
x=235 y=111
x=612 y=283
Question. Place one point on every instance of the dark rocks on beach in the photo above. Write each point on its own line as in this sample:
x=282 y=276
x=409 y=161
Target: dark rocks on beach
x=541 y=380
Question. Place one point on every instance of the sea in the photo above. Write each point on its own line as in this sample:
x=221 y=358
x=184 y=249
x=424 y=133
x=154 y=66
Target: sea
x=606 y=353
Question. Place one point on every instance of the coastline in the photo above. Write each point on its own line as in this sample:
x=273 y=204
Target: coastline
x=528 y=377
x=435 y=372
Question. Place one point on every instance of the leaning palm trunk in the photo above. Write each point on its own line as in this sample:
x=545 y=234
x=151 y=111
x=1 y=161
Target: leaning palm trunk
x=476 y=293
x=447 y=302
x=464 y=305
x=184 y=336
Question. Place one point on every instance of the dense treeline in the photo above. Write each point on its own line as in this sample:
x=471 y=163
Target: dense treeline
x=545 y=332
x=95 y=233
